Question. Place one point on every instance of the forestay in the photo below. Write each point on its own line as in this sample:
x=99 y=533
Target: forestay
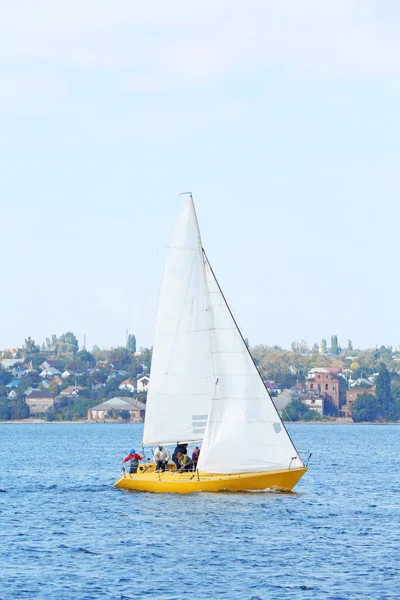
x=244 y=431
x=181 y=382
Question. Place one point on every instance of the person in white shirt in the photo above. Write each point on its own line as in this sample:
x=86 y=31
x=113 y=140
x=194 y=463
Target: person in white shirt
x=161 y=456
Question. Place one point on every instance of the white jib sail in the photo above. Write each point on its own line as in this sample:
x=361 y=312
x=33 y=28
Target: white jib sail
x=244 y=431
x=181 y=379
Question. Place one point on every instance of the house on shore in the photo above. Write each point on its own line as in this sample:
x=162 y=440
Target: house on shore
x=72 y=391
x=143 y=383
x=39 y=401
x=100 y=412
x=128 y=385
x=361 y=386
x=323 y=383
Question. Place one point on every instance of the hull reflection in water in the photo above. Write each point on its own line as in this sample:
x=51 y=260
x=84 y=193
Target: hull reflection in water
x=191 y=482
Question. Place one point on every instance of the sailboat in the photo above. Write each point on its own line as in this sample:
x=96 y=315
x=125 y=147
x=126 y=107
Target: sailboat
x=205 y=387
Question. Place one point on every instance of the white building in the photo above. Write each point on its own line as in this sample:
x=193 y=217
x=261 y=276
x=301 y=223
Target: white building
x=129 y=385
x=134 y=407
x=143 y=383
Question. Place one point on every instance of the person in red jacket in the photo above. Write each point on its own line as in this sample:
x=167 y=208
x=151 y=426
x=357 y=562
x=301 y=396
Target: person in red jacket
x=134 y=458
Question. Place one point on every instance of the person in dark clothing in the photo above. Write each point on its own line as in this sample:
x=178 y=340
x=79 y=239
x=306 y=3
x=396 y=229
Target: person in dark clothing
x=179 y=448
x=195 y=456
x=185 y=462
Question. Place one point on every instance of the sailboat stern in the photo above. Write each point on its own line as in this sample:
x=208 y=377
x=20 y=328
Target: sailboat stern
x=194 y=482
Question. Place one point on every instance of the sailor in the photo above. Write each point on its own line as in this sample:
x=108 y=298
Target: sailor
x=134 y=458
x=179 y=448
x=185 y=462
x=195 y=456
x=161 y=456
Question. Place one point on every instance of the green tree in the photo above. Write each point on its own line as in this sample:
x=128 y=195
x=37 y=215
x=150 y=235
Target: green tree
x=5 y=377
x=125 y=415
x=349 y=346
x=324 y=347
x=54 y=388
x=365 y=408
x=50 y=414
x=120 y=358
x=300 y=347
x=383 y=391
x=394 y=413
x=30 y=347
x=334 y=344
x=71 y=339
x=131 y=342
x=86 y=358
x=296 y=410
x=5 y=410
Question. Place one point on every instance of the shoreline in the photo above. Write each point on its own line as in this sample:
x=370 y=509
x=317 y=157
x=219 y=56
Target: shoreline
x=86 y=422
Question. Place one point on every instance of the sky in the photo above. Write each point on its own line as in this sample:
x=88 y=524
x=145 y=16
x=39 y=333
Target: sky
x=283 y=120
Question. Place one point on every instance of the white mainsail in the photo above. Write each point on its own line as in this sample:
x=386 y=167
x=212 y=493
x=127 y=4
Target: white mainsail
x=244 y=431
x=181 y=380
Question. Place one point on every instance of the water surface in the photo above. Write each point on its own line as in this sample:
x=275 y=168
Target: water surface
x=66 y=533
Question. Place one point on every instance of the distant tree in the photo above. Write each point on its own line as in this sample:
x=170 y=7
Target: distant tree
x=365 y=408
x=81 y=406
x=125 y=415
x=5 y=377
x=314 y=349
x=86 y=358
x=394 y=412
x=96 y=350
x=145 y=359
x=383 y=391
x=5 y=409
x=296 y=410
x=300 y=347
x=334 y=345
x=54 y=388
x=50 y=414
x=342 y=390
x=120 y=358
x=285 y=379
x=29 y=346
x=385 y=353
x=131 y=343
x=349 y=346
x=71 y=339
x=324 y=347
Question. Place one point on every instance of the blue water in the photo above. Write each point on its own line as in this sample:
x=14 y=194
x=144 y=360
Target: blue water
x=66 y=533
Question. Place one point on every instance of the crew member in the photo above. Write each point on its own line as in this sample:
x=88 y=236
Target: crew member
x=161 y=456
x=134 y=458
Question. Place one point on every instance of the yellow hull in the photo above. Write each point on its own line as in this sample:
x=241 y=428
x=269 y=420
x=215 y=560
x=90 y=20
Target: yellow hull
x=186 y=483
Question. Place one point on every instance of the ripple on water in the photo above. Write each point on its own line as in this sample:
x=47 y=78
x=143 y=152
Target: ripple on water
x=67 y=533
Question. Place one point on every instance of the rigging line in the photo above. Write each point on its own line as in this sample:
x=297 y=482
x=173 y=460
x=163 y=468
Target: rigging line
x=251 y=357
